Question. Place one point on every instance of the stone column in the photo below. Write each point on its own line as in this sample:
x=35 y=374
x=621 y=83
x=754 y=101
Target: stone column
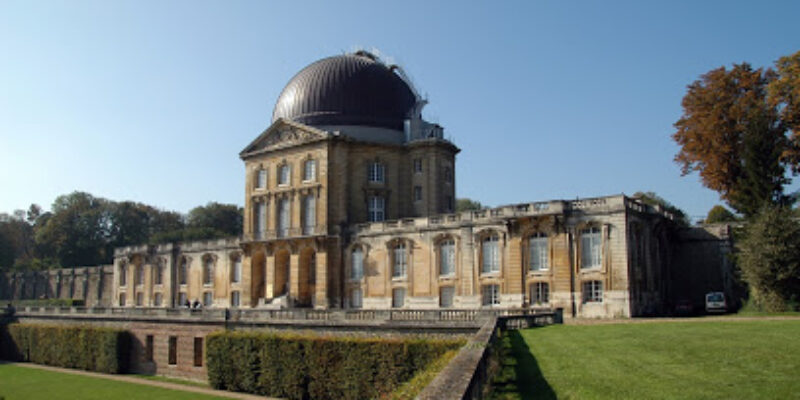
x=321 y=281
x=294 y=276
x=270 y=276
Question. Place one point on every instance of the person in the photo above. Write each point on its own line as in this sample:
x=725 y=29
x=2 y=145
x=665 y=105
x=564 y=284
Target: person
x=196 y=304
x=187 y=304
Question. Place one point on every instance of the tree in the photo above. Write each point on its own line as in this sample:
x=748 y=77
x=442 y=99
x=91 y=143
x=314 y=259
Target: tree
x=78 y=231
x=784 y=94
x=653 y=199
x=734 y=138
x=769 y=260
x=719 y=214
x=466 y=204
x=225 y=218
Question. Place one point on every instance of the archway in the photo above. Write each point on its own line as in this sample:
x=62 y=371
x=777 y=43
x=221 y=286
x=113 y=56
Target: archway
x=307 y=277
x=258 y=269
x=281 y=273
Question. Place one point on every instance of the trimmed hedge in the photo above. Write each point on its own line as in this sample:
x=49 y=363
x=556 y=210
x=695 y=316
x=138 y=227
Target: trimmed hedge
x=298 y=366
x=93 y=349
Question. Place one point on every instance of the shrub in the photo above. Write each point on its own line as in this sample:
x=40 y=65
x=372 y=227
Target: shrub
x=93 y=349
x=299 y=366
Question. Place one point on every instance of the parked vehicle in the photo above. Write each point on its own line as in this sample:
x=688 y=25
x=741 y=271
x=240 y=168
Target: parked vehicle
x=715 y=302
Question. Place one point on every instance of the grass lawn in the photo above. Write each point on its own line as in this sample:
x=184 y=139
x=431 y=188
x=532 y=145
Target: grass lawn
x=31 y=384
x=754 y=359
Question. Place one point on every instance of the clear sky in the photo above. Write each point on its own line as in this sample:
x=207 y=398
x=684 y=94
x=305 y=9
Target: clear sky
x=151 y=101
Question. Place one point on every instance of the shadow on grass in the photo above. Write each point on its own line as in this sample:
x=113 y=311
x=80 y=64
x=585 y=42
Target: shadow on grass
x=520 y=375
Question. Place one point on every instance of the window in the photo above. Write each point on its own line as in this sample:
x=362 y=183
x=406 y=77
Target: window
x=398 y=297
x=236 y=298
x=139 y=299
x=158 y=299
x=139 y=275
x=376 y=172
x=376 y=208
x=399 y=261
x=490 y=295
x=418 y=165
x=538 y=252
x=183 y=270
x=208 y=299
x=355 y=298
x=261 y=179
x=309 y=170
x=284 y=174
x=490 y=256
x=122 y=299
x=173 y=350
x=236 y=273
x=123 y=274
x=183 y=300
x=357 y=267
x=260 y=220
x=198 y=352
x=446 y=296
x=592 y=292
x=540 y=293
x=283 y=217
x=159 y=273
x=417 y=193
x=148 y=348
x=590 y=248
x=309 y=214
x=208 y=271
x=447 y=257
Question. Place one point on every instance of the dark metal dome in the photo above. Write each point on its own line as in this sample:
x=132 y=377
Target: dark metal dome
x=351 y=89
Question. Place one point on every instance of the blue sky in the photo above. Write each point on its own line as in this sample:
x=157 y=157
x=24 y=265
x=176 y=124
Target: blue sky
x=151 y=101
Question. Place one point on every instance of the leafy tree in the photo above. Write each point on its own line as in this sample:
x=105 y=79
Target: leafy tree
x=784 y=94
x=769 y=260
x=719 y=214
x=653 y=199
x=225 y=218
x=78 y=230
x=466 y=204
x=734 y=138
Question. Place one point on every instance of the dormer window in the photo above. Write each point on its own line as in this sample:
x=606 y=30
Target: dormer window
x=376 y=172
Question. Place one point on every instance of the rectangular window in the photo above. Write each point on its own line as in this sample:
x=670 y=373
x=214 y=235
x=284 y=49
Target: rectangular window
x=183 y=300
x=261 y=179
x=283 y=217
x=208 y=299
x=399 y=261
x=590 y=248
x=593 y=292
x=538 y=252
x=139 y=299
x=123 y=275
x=376 y=208
x=158 y=299
x=447 y=257
x=376 y=173
x=491 y=262
x=148 y=348
x=236 y=274
x=173 y=350
x=398 y=297
x=357 y=269
x=417 y=193
x=446 y=294
x=198 y=352
x=284 y=174
x=309 y=214
x=355 y=298
x=139 y=277
x=183 y=270
x=260 y=220
x=540 y=293
x=236 y=299
x=490 y=295
x=418 y=165
x=122 y=299
x=309 y=171
x=208 y=271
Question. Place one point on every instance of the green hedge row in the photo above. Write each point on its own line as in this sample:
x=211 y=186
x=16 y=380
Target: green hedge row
x=301 y=366
x=93 y=349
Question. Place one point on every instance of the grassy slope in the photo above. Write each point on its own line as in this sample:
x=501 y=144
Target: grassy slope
x=26 y=383
x=692 y=360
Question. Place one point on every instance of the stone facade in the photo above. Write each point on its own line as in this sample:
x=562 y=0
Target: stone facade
x=92 y=285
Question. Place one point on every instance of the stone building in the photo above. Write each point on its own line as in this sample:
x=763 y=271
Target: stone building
x=349 y=203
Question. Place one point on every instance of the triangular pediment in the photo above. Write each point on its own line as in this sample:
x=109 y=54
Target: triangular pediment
x=281 y=134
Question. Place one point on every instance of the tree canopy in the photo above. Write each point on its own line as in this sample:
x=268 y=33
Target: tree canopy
x=719 y=214
x=466 y=204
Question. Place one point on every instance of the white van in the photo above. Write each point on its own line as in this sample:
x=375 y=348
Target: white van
x=715 y=302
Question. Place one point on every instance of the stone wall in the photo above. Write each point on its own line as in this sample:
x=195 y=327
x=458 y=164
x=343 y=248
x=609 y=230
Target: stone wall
x=93 y=285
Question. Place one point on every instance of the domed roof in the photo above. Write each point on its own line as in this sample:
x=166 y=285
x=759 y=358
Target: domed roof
x=350 y=89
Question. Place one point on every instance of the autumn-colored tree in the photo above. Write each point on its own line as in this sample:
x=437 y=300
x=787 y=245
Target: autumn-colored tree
x=734 y=137
x=784 y=94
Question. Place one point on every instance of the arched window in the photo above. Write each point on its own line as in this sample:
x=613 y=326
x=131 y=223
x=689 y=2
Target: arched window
x=447 y=257
x=208 y=271
x=183 y=271
x=357 y=264
x=236 y=270
x=490 y=254
x=538 y=259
